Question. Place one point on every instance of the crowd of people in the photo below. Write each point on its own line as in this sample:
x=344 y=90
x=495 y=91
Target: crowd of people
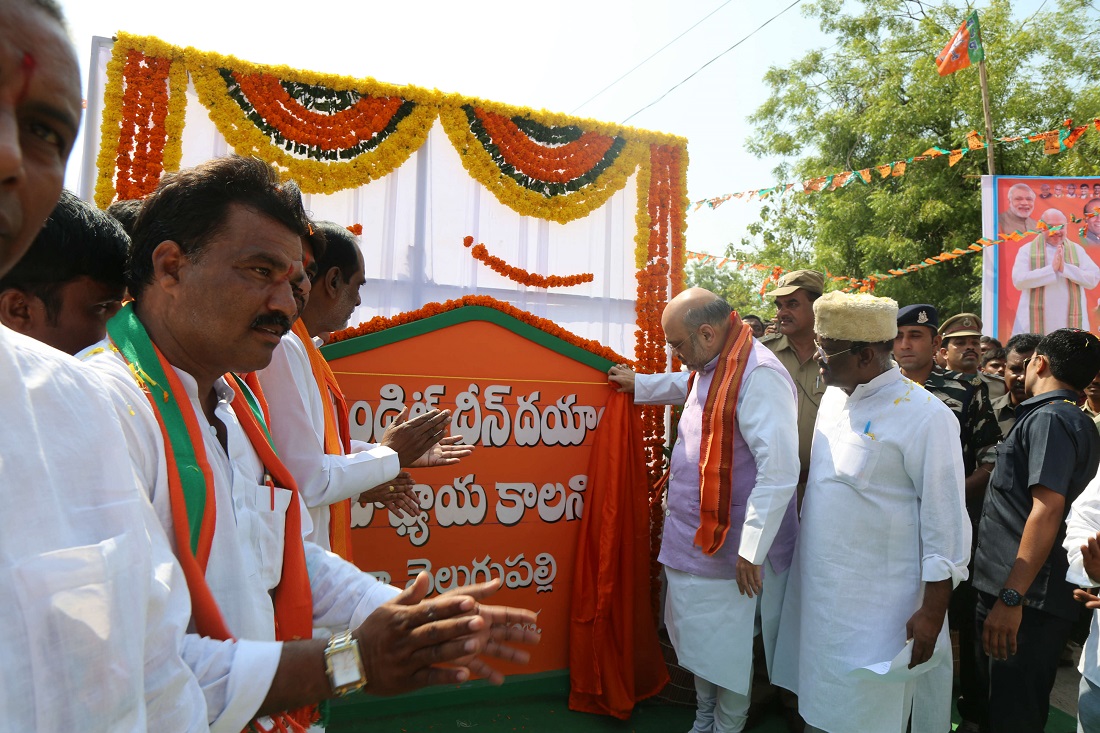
x=935 y=474
x=842 y=491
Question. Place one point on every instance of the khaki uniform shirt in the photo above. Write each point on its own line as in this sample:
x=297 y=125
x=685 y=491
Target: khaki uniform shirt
x=1094 y=415
x=810 y=387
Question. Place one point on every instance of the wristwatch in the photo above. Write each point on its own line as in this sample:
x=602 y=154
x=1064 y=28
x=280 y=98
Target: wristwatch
x=344 y=665
x=1011 y=598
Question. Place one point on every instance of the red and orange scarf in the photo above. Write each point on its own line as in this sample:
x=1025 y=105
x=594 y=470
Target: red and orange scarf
x=191 y=494
x=716 y=446
x=337 y=437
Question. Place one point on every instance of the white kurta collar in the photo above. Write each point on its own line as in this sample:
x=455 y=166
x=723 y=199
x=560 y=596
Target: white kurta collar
x=876 y=385
x=190 y=386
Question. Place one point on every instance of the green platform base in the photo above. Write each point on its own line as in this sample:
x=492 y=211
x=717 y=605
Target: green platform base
x=535 y=703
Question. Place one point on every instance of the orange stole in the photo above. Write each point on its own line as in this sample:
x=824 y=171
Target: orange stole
x=337 y=437
x=716 y=446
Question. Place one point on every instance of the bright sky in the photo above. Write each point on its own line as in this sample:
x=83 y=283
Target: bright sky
x=553 y=56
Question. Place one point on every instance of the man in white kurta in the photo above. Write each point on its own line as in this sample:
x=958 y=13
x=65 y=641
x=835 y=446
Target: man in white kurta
x=1083 y=530
x=1067 y=274
x=717 y=602
x=298 y=431
x=884 y=537
x=246 y=554
x=92 y=601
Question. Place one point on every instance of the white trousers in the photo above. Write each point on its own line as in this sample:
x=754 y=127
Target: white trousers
x=718 y=710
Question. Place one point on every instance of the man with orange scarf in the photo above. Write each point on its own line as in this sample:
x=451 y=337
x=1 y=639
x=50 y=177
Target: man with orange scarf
x=309 y=416
x=730 y=520
x=216 y=257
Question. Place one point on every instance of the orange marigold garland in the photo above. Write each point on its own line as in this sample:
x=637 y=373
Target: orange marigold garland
x=379 y=323
x=521 y=276
x=660 y=221
x=142 y=136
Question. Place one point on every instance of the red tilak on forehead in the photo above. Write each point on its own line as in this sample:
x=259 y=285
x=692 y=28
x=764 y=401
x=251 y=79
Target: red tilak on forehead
x=27 y=66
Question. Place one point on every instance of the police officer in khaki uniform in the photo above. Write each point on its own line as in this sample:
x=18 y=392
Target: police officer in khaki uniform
x=962 y=350
x=794 y=296
x=919 y=337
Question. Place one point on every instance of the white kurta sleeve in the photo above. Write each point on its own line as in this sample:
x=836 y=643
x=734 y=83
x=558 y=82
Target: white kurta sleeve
x=1083 y=522
x=1086 y=273
x=343 y=595
x=934 y=462
x=661 y=389
x=292 y=395
x=767 y=416
x=235 y=677
x=1024 y=277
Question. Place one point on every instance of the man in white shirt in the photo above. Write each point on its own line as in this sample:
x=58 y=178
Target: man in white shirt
x=1053 y=275
x=91 y=601
x=215 y=258
x=309 y=418
x=1082 y=545
x=725 y=578
x=884 y=537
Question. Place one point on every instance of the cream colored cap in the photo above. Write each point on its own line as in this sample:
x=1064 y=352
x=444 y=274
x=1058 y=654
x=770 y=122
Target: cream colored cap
x=855 y=317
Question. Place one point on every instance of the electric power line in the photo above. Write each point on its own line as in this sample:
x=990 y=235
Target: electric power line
x=647 y=58
x=750 y=35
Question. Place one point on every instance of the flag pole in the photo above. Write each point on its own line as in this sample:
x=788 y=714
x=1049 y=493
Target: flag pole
x=984 y=79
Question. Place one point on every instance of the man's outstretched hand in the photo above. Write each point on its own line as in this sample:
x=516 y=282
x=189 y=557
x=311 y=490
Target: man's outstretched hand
x=406 y=643
x=411 y=439
x=397 y=495
x=446 y=452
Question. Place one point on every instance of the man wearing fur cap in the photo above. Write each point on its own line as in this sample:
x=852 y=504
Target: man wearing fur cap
x=884 y=537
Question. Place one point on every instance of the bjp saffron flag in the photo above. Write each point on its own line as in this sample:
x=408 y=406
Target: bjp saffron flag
x=964 y=49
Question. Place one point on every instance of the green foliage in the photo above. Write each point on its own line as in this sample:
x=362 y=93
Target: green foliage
x=740 y=288
x=875 y=97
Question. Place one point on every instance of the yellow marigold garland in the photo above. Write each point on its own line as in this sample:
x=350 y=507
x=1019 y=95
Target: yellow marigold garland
x=564 y=208
x=177 y=112
x=110 y=128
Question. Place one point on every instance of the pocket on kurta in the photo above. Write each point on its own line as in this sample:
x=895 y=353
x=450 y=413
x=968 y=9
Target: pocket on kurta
x=271 y=506
x=84 y=616
x=855 y=457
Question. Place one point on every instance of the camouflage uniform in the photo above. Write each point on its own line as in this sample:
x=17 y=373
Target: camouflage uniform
x=1005 y=412
x=979 y=429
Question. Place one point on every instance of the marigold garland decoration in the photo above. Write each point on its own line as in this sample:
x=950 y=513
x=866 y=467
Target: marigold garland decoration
x=378 y=323
x=323 y=132
x=660 y=234
x=521 y=276
x=142 y=93
x=547 y=171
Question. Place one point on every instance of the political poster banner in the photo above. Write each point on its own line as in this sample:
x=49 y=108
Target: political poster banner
x=1046 y=275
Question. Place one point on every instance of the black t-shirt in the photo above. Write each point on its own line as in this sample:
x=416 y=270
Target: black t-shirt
x=1052 y=444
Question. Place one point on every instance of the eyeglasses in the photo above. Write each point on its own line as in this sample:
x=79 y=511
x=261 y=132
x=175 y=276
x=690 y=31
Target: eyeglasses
x=824 y=358
x=676 y=346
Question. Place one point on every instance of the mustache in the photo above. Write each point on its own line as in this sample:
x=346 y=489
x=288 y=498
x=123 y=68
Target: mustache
x=272 y=319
